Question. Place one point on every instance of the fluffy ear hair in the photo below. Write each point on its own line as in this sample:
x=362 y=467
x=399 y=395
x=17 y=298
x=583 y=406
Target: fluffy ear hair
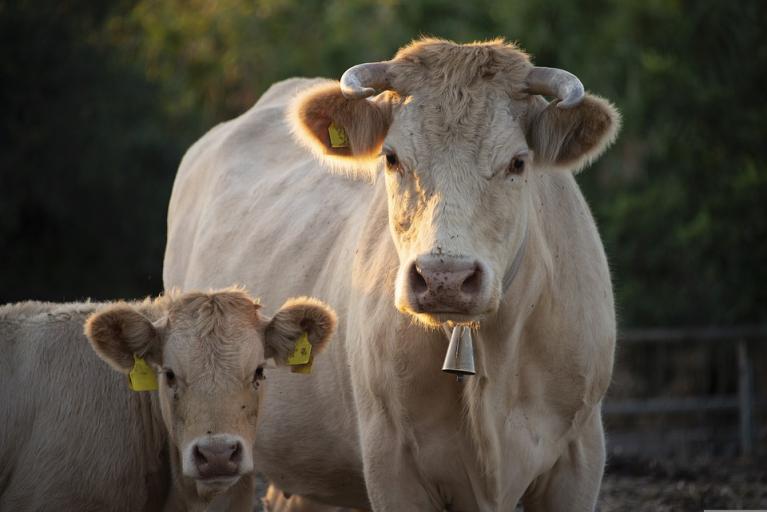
x=364 y=121
x=572 y=138
x=118 y=332
x=295 y=317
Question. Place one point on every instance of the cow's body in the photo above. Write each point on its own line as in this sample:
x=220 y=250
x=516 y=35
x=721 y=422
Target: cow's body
x=378 y=423
x=72 y=435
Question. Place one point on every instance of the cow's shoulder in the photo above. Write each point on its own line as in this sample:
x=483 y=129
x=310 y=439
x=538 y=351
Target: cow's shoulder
x=253 y=131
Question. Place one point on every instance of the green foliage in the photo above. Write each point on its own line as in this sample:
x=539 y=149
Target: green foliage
x=104 y=100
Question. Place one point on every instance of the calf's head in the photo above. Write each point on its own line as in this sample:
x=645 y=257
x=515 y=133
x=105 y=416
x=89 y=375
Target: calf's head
x=460 y=132
x=209 y=350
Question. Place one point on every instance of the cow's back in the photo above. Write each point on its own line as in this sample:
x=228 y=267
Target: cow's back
x=247 y=193
x=70 y=438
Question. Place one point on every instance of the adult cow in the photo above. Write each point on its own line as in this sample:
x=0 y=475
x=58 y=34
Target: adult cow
x=471 y=216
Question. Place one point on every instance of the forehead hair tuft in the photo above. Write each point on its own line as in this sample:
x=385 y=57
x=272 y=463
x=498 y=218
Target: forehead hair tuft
x=439 y=66
x=460 y=81
x=211 y=312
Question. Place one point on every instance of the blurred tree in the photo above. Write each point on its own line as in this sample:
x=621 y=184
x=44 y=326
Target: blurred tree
x=679 y=199
x=86 y=159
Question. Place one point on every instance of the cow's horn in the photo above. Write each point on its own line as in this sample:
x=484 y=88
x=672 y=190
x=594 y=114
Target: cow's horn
x=365 y=80
x=555 y=82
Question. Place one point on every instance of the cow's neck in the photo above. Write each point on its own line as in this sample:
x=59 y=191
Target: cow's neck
x=532 y=355
x=155 y=446
x=488 y=396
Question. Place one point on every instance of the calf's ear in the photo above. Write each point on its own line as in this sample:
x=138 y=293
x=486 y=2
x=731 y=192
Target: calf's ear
x=295 y=317
x=346 y=134
x=119 y=332
x=571 y=138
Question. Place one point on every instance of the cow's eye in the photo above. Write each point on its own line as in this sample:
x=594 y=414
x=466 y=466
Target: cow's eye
x=392 y=162
x=170 y=376
x=258 y=376
x=517 y=165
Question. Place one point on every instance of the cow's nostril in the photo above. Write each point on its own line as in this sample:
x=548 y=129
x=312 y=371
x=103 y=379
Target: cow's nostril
x=199 y=457
x=236 y=455
x=417 y=282
x=473 y=283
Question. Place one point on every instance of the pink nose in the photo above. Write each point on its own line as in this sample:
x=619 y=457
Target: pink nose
x=442 y=284
x=216 y=458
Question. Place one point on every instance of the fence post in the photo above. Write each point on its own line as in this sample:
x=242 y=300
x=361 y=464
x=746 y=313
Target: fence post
x=745 y=399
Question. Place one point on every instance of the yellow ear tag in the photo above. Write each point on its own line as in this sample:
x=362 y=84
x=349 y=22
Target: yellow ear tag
x=303 y=368
x=141 y=376
x=338 y=137
x=302 y=354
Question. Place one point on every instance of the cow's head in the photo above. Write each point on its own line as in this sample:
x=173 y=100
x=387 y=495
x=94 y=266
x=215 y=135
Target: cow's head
x=209 y=350
x=461 y=132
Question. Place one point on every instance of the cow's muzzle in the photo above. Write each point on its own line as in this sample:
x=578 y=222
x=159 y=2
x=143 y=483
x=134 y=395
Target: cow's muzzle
x=440 y=284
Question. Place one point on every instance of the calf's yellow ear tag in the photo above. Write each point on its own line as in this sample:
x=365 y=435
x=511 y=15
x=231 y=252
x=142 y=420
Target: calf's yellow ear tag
x=303 y=368
x=141 y=376
x=338 y=137
x=301 y=358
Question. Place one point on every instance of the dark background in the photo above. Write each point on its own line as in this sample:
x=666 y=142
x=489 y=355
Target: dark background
x=99 y=100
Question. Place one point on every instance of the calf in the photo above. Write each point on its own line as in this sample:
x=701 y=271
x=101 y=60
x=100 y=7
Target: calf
x=74 y=437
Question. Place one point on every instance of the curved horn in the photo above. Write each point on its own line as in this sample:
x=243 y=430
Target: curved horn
x=555 y=82
x=365 y=80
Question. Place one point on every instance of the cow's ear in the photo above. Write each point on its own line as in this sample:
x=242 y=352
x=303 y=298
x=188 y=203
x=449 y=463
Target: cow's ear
x=344 y=133
x=574 y=137
x=118 y=332
x=296 y=317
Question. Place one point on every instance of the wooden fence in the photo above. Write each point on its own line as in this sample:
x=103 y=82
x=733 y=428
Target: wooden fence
x=741 y=339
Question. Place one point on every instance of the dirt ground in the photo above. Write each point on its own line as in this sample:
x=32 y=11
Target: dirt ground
x=636 y=485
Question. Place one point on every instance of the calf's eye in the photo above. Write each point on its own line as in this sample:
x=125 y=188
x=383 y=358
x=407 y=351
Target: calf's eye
x=517 y=165
x=170 y=376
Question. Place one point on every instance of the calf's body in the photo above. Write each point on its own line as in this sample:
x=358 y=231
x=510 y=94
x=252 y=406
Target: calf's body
x=72 y=435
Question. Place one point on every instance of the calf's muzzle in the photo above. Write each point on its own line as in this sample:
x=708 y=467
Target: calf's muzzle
x=217 y=457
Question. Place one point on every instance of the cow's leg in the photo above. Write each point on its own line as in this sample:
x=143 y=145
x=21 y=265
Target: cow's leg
x=391 y=478
x=276 y=501
x=572 y=484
